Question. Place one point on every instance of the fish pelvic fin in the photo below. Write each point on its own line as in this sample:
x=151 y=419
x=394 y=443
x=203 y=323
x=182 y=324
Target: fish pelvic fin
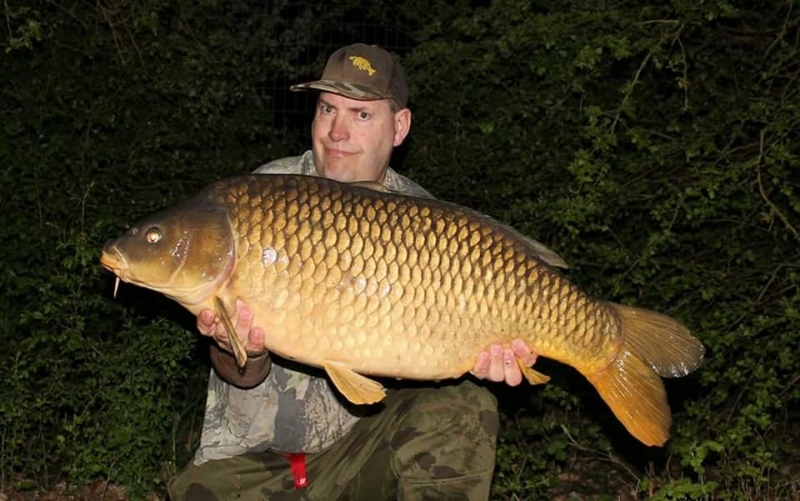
x=653 y=346
x=355 y=387
x=636 y=396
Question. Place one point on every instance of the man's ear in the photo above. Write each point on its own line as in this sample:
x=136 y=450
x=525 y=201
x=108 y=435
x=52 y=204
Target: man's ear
x=402 y=125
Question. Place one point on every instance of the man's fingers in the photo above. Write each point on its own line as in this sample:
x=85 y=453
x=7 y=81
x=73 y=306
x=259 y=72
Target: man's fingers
x=205 y=322
x=511 y=372
x=244 y=316
x=523 y=352
x=221 y=333
x=255 y=346
x=496 y=370
x=252 y=338
x=481 y=369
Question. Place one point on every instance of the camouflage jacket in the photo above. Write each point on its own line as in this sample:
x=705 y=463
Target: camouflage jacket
x=292 y=410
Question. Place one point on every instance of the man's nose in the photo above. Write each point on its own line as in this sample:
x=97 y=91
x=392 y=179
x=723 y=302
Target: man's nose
x=339 y=129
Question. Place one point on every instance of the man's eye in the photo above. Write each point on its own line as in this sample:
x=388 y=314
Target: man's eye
x=326 y=109
x=363 y=115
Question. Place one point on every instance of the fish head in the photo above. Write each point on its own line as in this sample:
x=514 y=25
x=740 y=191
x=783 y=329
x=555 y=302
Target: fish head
x=186 y=252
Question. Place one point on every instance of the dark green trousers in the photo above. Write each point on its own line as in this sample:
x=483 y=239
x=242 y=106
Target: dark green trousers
x=432 y=443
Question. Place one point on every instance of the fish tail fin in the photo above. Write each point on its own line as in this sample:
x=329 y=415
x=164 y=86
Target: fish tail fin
x=654 y=346
x=661 y=341
x=636 y=396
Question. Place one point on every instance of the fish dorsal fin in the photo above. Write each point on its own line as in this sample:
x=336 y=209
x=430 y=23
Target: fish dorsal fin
x=357 y=388
x=371 y=185
x=539 y=249
x=547 y=255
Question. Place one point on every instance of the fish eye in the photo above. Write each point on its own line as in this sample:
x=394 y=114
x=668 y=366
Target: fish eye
x=152 y=236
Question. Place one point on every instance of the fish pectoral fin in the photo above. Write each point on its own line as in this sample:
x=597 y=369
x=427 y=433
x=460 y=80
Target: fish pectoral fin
x=236 y=345
x=533 y=377
x=357 y=388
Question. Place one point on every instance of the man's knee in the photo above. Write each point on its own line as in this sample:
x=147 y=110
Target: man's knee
x=448 y=432
x=464 y=408
x=190 y=485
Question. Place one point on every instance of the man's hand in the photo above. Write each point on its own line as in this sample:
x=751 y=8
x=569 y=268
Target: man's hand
x=242 y=319
x=252 y=338
x=498 y=364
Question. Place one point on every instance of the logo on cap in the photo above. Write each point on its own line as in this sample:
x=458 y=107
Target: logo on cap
x=362 y=64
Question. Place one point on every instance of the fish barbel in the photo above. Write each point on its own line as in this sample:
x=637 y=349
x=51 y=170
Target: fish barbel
x=361 y=281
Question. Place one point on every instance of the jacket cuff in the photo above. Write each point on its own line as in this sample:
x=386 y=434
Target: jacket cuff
x=255 y=370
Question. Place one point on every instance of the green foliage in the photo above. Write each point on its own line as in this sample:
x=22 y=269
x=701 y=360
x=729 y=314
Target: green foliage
x=110 y=112
x=652 y=144
x=90 y=389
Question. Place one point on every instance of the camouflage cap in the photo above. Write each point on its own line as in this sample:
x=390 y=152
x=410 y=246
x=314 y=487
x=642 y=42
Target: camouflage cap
x=364 y=72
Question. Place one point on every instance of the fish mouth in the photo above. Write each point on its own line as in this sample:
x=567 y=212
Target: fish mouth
x=113 y=260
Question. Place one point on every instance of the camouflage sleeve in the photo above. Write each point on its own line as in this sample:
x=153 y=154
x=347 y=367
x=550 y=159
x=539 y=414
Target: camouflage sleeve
x=291 y=411
x=303 y=164
x=399 y=183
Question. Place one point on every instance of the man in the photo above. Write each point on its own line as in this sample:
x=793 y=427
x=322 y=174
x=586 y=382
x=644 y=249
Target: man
x=279 y=431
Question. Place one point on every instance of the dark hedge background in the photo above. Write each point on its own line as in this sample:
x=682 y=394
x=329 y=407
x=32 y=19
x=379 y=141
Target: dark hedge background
x=652 y=144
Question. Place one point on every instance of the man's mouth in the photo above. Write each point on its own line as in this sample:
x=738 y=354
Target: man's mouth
x=337 y=153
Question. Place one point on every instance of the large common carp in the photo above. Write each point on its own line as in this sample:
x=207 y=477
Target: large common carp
x=361 y=281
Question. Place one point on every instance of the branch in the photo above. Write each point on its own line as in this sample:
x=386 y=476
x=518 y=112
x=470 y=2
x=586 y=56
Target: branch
x=781 y=35
x=630 y=90
x=685 y=73
x=761 y=186
x=8 y=20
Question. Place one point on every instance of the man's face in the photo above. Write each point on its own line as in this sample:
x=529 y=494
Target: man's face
x=353 y=140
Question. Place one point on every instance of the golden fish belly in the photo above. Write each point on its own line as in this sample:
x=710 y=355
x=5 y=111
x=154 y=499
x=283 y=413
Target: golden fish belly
x=397 y=286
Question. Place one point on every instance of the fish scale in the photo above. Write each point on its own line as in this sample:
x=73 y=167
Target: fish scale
x=489 y=305
x=361 y=282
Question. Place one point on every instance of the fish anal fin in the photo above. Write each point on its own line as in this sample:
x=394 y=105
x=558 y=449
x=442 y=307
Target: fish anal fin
x=239 y=353
x=636 y=396
x=355 y=387
x=533 y=377
x=661 y=341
